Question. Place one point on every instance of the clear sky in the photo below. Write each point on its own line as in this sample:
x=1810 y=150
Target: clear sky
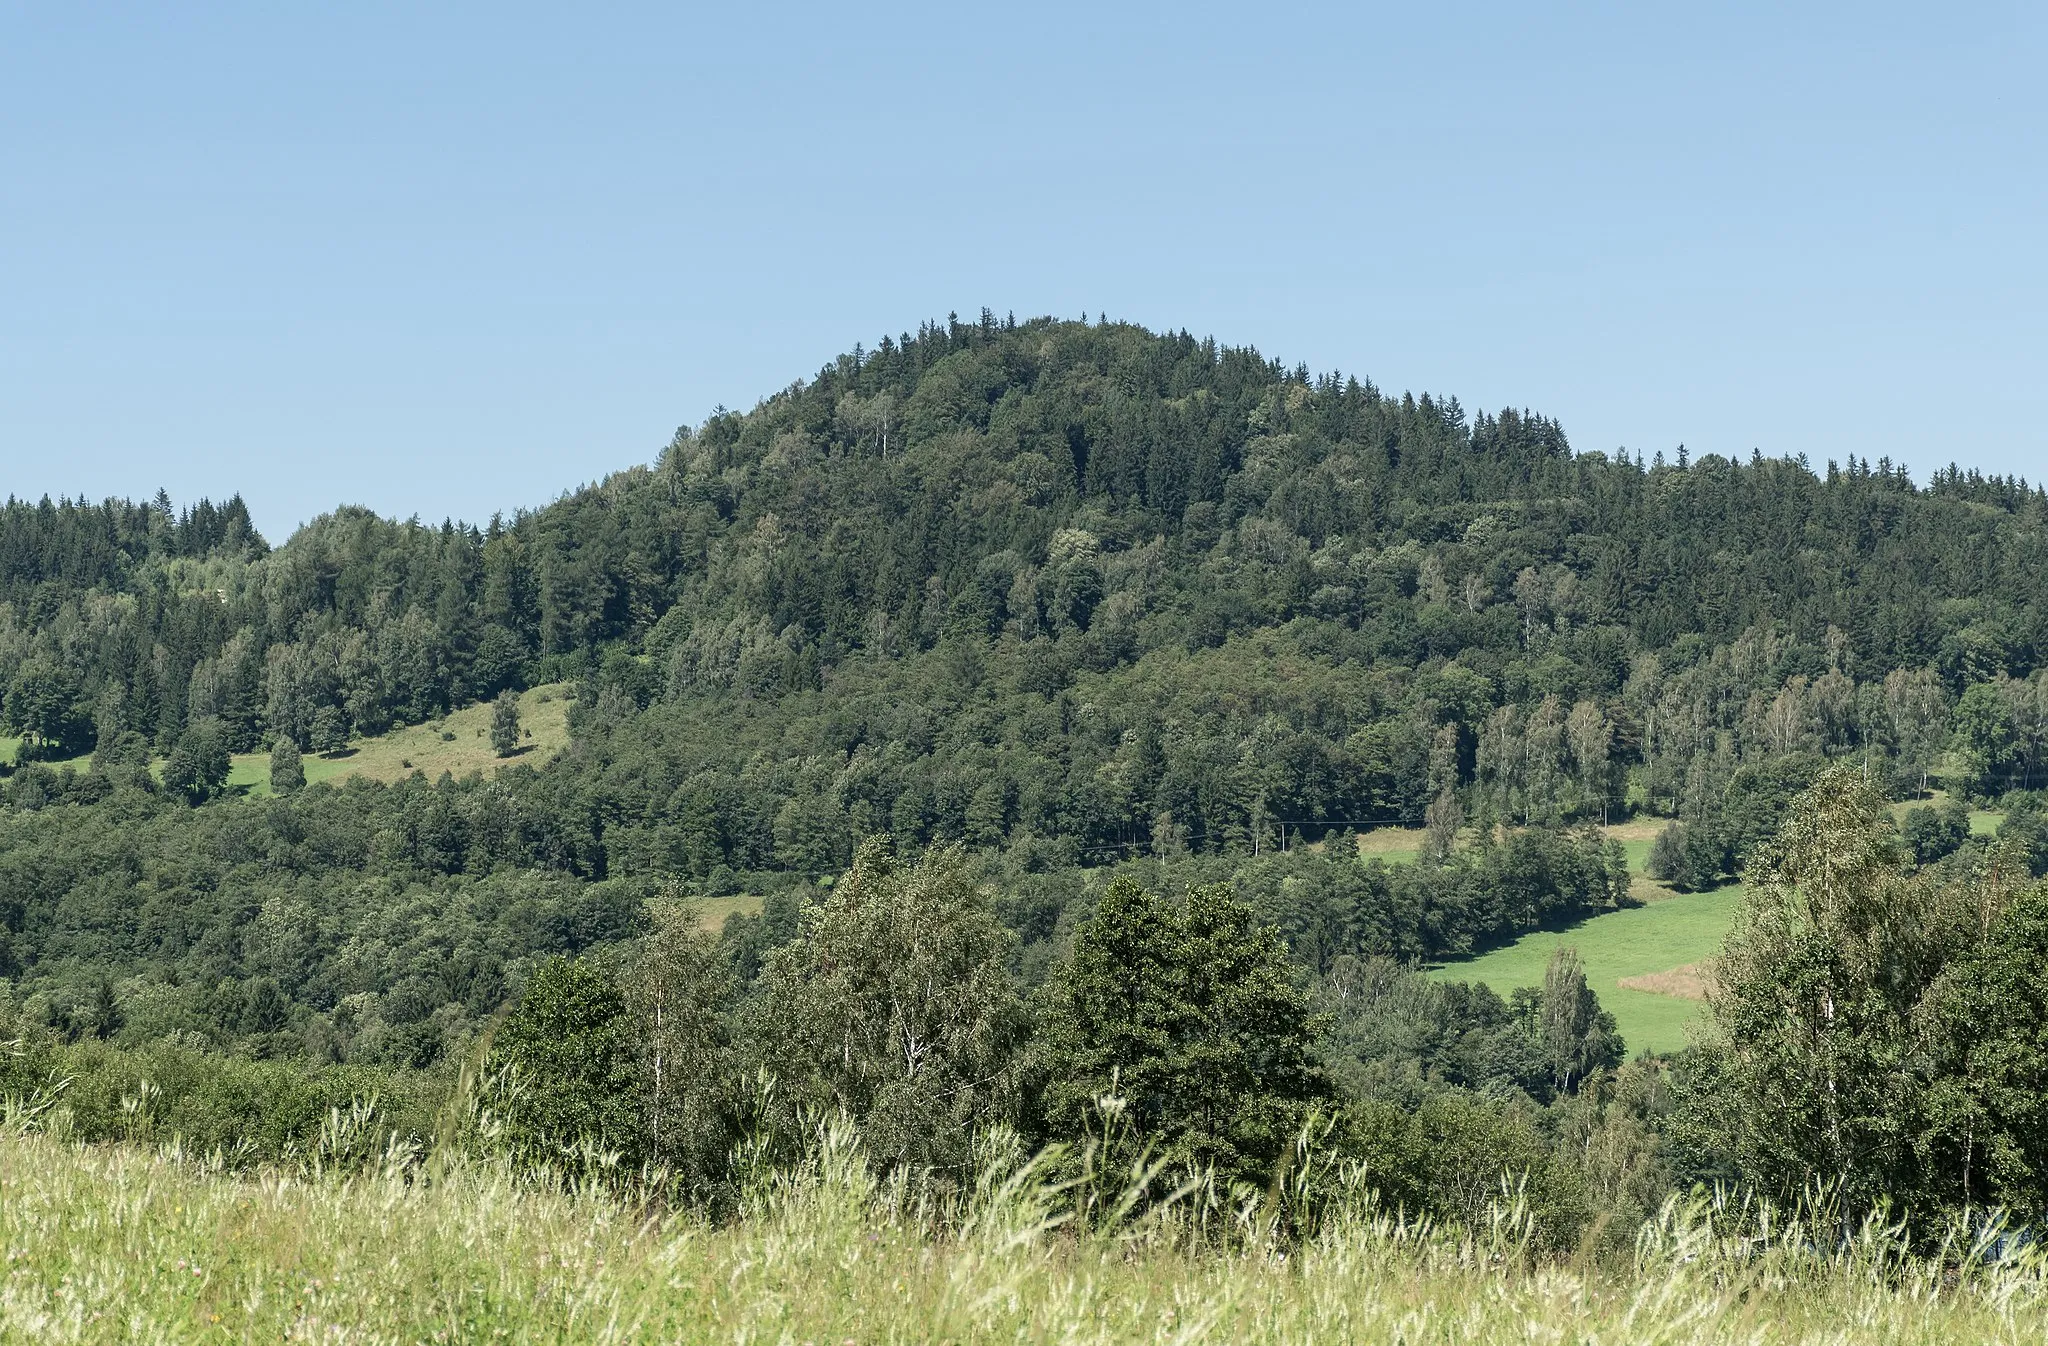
x=450 y=259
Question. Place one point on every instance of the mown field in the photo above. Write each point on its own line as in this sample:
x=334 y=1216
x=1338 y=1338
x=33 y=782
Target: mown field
x=1646 y=963
x=1654 y=948
x=121 y=1244
x=1661 y=939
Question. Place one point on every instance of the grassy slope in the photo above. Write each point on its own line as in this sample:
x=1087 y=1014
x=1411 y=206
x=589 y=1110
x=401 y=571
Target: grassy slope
x=1983 y=822
x=116 y=1244
x=713 y=911
x=1670 y=930
x=543 y=715
x=1654 y=937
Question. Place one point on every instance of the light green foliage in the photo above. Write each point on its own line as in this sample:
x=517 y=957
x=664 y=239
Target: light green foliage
x=1577 y=1036
x=566 y=1065
x=1877 y=1030
x=680 y=991
x=119 y=1244
x=894 y=1004
x=1984 y=737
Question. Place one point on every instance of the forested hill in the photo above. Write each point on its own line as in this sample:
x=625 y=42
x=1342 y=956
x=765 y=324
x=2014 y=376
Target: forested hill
x=1068 y=591
x=1061 y=498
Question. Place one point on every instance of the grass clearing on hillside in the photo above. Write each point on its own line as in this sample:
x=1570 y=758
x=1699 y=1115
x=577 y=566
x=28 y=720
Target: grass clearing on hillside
x=713 y=912
x=1395 y=845
x=543 y=714
x=119 y=1244
x=1657 y=937
x=392 y=756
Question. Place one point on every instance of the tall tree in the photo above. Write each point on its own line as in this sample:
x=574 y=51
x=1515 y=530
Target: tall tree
x=1188 y=1010
x=287 y=770
x=199 y=764
x=570 y=1057
x=680 y=992
x=894 y=1004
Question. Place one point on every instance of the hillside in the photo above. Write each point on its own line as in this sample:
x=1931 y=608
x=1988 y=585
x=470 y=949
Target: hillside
x=992 y=647
x=1075 y=594
x=456 y=743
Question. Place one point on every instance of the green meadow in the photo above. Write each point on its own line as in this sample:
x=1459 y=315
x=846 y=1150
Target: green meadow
x=1657 y=937
x=457 y=743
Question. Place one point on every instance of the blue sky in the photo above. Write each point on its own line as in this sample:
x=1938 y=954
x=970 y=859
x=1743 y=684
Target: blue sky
x=454 y=259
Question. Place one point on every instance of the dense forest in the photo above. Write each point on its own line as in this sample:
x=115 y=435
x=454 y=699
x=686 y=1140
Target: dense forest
x=1100 y=614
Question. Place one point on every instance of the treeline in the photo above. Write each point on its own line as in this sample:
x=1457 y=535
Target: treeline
x=1876 y=1047
x=386 y=925
x=1089 y=582
x=1170 y=1036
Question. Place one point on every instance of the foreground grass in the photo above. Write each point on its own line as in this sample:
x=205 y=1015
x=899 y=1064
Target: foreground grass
x=118 y=1244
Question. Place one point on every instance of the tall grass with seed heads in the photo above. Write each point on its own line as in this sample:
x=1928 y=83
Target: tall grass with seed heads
x=351 y=1244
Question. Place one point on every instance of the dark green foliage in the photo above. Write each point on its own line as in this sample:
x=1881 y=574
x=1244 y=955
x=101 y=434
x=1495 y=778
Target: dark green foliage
x=572 y=1067
x=505 y=724
x=247 y=1112
x=1394 y=1035
x=328 y=730
x=1092 y=603
x=1934 y=832
x=2025 y=830
x=43 y=705
x=287 y=771
x=1668 y=857
x=1327 y=906
x=1188 y=1011
x=389 y=918
x=198 y=766
x=1474 y=1153
x=1100 y=577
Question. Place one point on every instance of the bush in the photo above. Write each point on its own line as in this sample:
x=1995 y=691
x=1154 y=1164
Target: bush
x=1936 y=831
